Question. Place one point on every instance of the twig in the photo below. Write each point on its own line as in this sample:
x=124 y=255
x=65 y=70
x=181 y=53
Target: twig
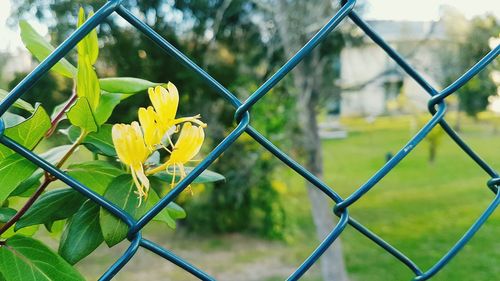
x=72 y=149
x=27 y=205
x=59 y=116
x=47 y=180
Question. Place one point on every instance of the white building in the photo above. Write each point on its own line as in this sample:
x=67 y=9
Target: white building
x=371 y=79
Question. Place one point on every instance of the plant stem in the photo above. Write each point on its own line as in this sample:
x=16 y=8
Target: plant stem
x=47 y=180
x=72 y=148
x=27 y=205
x=59 y=116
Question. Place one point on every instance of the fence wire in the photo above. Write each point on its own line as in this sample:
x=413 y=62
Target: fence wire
x=436 y=106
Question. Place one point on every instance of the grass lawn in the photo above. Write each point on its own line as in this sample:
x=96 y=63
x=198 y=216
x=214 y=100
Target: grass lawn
x=420 y=208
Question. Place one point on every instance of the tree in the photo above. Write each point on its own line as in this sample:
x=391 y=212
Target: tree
x=53 y=87
x=218 y=35
x=294 y=23
x=221 y=36
x=468 y=43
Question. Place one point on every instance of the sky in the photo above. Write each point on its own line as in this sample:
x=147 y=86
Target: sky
x=427 y=9
x=376 y=9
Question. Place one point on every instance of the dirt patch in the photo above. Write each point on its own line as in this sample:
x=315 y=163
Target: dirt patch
x=227 y=258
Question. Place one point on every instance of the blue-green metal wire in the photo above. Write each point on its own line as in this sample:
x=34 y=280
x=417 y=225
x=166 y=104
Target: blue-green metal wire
x=437 y=108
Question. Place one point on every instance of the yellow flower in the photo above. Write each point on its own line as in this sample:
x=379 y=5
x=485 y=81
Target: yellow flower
x=185 y=149
x=165 y=103
x=132 y=151
x=151 y=128
x=188 y=144
x=134 y=143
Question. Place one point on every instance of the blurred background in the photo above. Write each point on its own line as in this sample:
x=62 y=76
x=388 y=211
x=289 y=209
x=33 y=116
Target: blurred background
x=342 y=113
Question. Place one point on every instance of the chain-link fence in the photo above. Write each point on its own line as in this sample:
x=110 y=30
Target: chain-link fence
x=437 y=108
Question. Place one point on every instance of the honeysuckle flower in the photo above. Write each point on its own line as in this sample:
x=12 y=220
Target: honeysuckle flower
x=132 y=151
x=152 y=131
x=187 y=146
x=165 y=102
x=185 y=149
x=134 y=143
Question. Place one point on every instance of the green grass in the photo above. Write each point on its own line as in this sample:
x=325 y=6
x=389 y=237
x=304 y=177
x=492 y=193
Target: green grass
x=420 y=208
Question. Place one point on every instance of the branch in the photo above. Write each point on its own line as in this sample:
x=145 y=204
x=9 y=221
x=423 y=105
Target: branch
x=72 y=149
x=219 y=16
x=59 y=116
x=39 y=191
x=368 y=81
x=27 y=205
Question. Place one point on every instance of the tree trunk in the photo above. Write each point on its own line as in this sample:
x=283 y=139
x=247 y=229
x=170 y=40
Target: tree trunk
x=307 y=80
x=332 y=261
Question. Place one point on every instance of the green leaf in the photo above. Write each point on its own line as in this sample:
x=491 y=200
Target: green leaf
x=56 y=228
x=29 y=132
x=126 y=85
x=205 y=177
x=87 y=84
x=82 y=45
x=121 y=191
x=19 y=103
x=28 y=186
x=97 y=175
x=54 y=205
x=92 y=42
x=13 y=170
x=175 y=211
x=6 y=214
x=106 y=106
x=99 y=142
x=23 y=258
x=87 y=81
x=164 y=216
x=41 y=49
x=80 y=115
x=89 y=45
x=27 y=231
x=82 y=235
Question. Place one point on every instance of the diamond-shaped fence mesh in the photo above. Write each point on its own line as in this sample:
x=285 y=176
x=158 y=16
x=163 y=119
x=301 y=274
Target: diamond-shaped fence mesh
x=437 y=109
